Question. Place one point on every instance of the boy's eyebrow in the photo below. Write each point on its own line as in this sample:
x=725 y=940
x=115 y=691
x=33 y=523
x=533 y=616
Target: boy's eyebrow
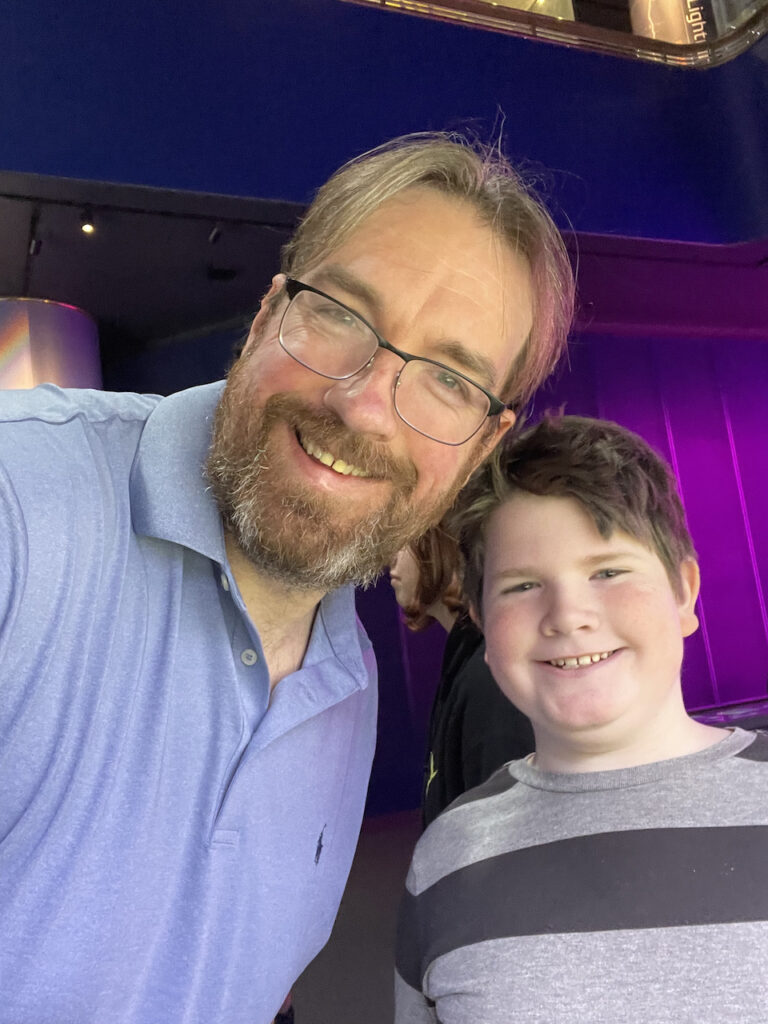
x=474 y=364
x=588 y=562
x=609 y=556
x=514 y=572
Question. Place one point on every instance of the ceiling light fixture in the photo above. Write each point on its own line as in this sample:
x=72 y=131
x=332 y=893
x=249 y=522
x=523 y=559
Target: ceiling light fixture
x=87 y=223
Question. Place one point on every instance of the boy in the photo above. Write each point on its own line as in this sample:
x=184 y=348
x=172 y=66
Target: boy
x=616 y=874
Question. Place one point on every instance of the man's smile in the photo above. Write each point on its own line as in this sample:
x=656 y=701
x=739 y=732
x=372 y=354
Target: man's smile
x=329 y=460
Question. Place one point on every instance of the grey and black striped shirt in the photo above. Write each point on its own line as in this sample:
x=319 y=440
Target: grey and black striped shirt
x=637 y=895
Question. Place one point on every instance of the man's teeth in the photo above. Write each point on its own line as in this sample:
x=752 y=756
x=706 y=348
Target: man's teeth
x=338 y=465
x=581 y=661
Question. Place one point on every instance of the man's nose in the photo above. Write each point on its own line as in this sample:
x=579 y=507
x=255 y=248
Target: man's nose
x=570 y=609
x=365 y=402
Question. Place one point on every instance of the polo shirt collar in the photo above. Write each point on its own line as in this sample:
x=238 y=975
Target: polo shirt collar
x=171 y=500
x=170 y=496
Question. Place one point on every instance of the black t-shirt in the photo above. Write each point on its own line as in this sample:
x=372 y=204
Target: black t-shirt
x=473 y=729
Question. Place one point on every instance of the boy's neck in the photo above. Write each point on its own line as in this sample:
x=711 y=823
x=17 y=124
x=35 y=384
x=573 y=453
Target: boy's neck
x=686 y=736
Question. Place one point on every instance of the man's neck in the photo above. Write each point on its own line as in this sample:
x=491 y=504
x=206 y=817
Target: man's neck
x=282 y=615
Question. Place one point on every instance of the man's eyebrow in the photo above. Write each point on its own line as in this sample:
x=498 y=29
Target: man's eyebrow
x=474 y=364
x=455 y=353
x=334 y=274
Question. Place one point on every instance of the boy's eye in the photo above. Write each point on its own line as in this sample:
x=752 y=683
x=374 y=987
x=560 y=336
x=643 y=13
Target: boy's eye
x=608 y=574
x=519 y=588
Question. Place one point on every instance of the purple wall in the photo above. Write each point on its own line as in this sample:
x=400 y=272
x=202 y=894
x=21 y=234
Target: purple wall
x=703 y=405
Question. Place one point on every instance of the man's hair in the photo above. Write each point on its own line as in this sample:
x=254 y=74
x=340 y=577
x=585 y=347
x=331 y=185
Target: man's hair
x=482 y=178
x=439 y=561
x=620 y=481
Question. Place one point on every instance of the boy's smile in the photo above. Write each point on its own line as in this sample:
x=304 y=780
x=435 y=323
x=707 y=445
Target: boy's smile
x=584 y=634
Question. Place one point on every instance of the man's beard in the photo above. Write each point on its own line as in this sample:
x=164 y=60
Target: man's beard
x=290 y=531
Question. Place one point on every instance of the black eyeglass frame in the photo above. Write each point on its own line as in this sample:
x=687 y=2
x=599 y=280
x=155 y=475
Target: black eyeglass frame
x=495 y=405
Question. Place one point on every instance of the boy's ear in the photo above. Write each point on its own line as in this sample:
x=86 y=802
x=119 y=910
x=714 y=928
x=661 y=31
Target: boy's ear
x=690 y=583
x=474 y=614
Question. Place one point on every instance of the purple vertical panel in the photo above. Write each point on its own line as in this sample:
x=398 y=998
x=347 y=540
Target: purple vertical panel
x=742 y=369
x=701 y=450
x=572 y=385
x=628 y=388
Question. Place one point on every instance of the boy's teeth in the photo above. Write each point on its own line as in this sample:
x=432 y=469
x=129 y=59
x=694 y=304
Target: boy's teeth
x=338 y=465
x=584 y=659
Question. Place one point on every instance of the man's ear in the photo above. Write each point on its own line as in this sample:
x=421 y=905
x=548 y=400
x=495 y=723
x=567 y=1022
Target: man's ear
x=505 y=423
x=264 y=313
x=488 y=443
x=690 y=583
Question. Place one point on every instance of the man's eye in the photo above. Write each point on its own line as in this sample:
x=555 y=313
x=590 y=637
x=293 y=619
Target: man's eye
x=609 y=574
x=336 y=315
x=449 y=384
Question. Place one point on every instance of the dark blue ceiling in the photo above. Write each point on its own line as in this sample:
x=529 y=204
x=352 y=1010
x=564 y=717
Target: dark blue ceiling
x=266 y=98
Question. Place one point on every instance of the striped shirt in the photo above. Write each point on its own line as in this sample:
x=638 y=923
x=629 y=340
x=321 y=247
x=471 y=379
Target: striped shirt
x=596 y=898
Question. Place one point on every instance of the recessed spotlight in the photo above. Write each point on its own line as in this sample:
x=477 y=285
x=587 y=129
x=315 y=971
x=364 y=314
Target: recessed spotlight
x=87 y=223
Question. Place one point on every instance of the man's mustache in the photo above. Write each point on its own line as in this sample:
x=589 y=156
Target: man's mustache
x=327 y=431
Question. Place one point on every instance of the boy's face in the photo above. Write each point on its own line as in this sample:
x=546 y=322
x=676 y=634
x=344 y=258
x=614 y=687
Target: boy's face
x=556 y=591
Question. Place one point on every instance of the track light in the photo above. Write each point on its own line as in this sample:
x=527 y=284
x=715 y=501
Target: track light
x=87 y=223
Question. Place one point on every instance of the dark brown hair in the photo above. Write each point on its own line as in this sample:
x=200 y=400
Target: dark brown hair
x=619 y=479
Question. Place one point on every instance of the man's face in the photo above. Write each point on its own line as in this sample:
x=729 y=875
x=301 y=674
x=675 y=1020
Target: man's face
x=554 y=591
x=320 y=481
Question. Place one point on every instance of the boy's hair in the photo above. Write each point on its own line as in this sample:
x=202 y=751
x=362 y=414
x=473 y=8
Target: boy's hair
x=619 y=479
x=439 y=560
x=479 y=176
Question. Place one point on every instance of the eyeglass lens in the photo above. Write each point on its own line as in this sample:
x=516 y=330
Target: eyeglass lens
x=326 y=338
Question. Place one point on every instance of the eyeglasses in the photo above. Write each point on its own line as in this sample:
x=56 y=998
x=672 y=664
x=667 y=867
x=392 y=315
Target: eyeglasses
x=333 y=340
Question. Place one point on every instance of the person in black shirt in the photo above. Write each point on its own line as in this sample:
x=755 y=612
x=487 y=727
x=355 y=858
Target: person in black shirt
x=473 y=727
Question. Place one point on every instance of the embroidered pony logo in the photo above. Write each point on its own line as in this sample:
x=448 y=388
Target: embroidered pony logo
x=319 y=849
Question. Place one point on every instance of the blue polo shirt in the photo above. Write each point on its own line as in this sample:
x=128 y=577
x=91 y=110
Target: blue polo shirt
x=173 y=844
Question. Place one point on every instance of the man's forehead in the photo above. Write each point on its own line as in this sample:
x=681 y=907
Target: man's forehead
x=423 y=250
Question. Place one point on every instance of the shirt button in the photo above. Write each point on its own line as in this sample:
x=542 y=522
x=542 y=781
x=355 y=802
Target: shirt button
x=224 y=581
x=249 y=656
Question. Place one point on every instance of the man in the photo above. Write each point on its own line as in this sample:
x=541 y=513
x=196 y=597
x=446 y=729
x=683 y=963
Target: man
x=614 y=874
x=188 y=709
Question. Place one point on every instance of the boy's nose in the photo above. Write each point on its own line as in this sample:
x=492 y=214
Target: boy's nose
x=570 y=610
